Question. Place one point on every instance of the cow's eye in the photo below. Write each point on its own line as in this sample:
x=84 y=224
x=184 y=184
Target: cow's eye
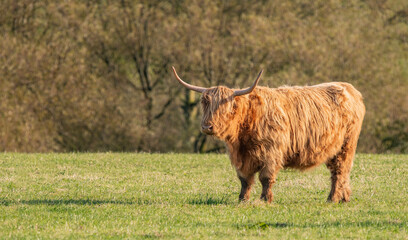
x=205 y=100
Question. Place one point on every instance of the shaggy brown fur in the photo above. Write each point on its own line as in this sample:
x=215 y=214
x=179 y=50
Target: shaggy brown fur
x=297 y=127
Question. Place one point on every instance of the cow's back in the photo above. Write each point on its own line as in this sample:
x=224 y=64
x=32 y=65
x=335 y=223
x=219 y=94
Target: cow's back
x=308 y=125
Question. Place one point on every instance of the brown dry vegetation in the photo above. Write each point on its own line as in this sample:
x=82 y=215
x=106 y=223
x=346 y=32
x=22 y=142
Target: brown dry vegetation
x=95 y=75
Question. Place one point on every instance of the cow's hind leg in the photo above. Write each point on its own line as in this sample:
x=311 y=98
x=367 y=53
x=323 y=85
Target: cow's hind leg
x=340 y=167
x=267 y=177
x=246 y=185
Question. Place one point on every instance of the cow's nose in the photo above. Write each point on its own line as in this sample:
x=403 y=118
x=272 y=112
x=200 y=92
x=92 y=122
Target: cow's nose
x=208 y=129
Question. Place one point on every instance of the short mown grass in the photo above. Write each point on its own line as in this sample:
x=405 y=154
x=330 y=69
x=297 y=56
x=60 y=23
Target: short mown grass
x=189 y=196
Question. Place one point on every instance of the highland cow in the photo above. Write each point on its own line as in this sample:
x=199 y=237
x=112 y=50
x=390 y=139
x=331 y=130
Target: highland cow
x=267 y=129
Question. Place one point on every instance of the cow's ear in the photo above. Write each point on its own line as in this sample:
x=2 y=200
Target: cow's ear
x=236 y=101
x=256 y=99
x=234 y=106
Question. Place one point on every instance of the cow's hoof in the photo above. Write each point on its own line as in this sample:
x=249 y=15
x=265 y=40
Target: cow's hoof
x=340 y=196
x=267 y=198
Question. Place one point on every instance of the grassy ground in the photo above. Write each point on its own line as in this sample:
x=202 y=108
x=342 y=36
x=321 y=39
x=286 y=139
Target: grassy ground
x=185 y=196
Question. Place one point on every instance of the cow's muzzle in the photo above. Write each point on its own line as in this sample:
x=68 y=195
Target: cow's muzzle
x=207 y=129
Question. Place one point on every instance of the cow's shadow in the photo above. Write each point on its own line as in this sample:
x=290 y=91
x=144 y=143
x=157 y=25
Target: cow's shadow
x=199 y=199
x=57 y=202
x=211 y=200
x=368 y=223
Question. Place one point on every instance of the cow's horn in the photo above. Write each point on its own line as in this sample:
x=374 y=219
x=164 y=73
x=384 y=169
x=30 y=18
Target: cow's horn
x=248 y=90
x=189 y=86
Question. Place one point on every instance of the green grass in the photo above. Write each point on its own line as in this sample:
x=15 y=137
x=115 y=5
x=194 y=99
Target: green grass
x=187 y=196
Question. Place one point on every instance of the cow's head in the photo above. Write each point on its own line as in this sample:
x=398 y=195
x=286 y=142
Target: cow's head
x=220 y=107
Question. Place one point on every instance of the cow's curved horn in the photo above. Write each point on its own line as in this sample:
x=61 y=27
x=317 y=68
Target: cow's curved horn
x=248 y=90
x=189 y=86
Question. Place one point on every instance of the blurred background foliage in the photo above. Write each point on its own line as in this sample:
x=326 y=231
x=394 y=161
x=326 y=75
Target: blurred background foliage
x=80 y=75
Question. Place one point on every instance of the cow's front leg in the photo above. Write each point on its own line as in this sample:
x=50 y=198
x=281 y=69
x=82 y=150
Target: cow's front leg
x=267 y=178
x=246 y=185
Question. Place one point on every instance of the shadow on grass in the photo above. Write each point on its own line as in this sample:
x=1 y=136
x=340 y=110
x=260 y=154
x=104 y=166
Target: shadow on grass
x=210 y=200
x=199 y=200
x=265 y=225
x=335 y=224
x=75 y=202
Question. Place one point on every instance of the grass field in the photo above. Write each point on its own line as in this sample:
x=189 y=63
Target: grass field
x=187 y=196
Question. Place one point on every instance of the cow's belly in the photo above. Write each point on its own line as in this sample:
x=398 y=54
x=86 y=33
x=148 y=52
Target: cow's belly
x=307 y=157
